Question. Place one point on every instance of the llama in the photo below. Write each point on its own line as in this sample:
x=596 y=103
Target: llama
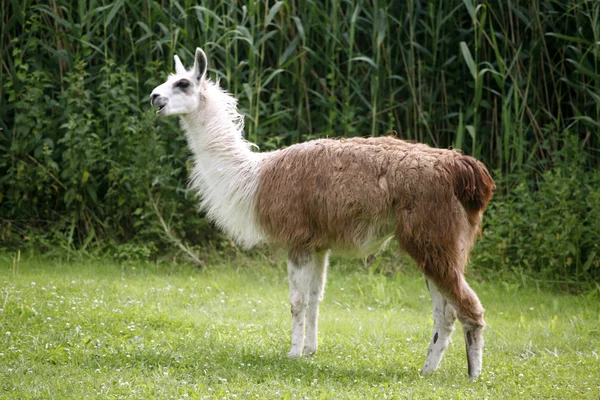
x=345 y=196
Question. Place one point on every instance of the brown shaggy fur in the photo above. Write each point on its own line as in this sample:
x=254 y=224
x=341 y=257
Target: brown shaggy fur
x=352 y=193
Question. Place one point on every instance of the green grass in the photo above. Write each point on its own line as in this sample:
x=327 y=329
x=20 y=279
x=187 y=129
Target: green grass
x=98 y=329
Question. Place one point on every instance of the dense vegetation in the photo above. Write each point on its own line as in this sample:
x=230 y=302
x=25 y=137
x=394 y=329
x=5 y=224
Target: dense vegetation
x=84 y=163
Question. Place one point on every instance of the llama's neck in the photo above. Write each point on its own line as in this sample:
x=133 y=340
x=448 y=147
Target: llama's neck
x=225 y=171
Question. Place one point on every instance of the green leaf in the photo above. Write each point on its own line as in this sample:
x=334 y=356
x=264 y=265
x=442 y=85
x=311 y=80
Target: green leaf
x=272 y=12
x=569 y=38
x=588 y=120
x=381 y=27
x=289 y=50
x=589 y=261
x=271 y=76
x=113 y=12
x=460 y=133
x=471 y=130
x=92 y=192
x=91 y=235
x=469 y=59
x=365 y=59
x=299 y=26
x=470 y=9
x=264 y=38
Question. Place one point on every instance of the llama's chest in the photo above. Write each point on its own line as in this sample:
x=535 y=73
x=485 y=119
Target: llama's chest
x=228 y=195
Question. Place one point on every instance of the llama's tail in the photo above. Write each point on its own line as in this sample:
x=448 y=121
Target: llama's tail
x=473 y=183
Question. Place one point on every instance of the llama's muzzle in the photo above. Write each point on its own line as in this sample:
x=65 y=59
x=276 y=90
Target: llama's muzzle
x=158 y=101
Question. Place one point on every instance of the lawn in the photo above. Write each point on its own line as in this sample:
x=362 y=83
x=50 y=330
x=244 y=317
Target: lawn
x=103 y=329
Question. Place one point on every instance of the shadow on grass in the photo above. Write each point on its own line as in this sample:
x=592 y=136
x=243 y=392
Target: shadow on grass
x=214 y=361
x=278 y=366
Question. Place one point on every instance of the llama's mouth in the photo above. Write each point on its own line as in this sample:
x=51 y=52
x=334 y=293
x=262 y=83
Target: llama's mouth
x=159 y=102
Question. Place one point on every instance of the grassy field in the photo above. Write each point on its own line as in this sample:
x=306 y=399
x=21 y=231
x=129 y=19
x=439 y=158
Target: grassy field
x=99 y=329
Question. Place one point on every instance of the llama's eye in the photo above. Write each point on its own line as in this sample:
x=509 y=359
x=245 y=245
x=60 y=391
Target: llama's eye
x=183 y=84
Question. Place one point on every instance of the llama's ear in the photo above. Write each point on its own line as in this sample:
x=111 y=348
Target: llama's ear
x=200 y=65
x=179 y=68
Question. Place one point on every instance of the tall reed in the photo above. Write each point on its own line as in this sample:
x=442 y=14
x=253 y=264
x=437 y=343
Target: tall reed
x=517 y=72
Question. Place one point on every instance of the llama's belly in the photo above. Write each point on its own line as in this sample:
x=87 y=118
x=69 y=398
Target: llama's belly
x=364 y=248
x=368 y=239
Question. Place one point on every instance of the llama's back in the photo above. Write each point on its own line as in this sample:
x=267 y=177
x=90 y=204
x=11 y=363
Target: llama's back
x=331 y=192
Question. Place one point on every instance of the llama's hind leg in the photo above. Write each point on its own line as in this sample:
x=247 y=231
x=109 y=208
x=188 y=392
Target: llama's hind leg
x=444 y=317
x=471 y=317
x=470 y=314
x=315 y=296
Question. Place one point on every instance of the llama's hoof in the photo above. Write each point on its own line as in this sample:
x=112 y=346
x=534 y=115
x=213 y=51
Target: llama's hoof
x=309 y=351
x=294 y=354
x=474 y=375
x=427 y=368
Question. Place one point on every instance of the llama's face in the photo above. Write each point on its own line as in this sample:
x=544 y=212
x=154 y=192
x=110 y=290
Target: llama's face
x=182 y=92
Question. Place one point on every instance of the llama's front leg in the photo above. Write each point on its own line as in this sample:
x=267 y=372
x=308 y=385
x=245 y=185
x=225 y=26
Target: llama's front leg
x=444 y=317
x=315 y=296
x=300 y=277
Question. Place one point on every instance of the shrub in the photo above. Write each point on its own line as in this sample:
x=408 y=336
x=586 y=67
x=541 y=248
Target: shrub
x=90 y=172
x=547 y=227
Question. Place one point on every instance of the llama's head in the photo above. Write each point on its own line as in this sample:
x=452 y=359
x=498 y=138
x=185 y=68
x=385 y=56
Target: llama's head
x=184 y=91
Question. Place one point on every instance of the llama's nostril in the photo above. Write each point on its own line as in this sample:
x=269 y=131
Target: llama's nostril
x=158 y=100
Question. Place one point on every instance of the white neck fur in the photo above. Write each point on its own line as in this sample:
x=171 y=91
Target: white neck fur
x=225 y=171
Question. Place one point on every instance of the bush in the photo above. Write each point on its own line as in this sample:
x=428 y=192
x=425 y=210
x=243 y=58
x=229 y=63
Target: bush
x=546 y=227
x=85 y=164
